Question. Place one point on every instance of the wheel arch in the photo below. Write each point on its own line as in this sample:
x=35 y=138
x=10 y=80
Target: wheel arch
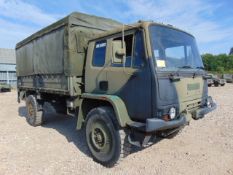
x=90 y=101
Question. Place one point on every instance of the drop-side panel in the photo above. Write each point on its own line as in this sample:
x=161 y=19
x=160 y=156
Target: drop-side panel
x=45 y=83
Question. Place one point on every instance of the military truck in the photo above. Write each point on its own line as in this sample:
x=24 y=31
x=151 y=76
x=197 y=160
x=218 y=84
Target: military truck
x=127 y=84
x=215 y=80
x=228 y=78
x=4 y=87
x=210 y=82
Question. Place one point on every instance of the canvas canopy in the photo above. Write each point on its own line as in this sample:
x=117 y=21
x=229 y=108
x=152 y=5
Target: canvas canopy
x=61 y=47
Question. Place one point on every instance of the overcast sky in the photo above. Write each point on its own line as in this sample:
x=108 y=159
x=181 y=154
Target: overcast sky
x=210 y=21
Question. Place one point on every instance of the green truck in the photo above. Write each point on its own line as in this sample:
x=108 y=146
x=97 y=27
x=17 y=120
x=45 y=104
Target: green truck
x=127 y=84
x=4 y=87
x=228 y=78
x=215 y=80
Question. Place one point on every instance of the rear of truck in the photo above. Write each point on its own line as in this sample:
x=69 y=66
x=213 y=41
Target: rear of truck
x=52 y=59
x=50 y=63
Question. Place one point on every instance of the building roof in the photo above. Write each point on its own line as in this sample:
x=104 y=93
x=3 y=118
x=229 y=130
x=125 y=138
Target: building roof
x=7 y=56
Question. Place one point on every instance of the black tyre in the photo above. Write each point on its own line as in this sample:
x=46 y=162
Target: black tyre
x=216 y=84
x=107 y=143
x=34 y=115
x=223 y=84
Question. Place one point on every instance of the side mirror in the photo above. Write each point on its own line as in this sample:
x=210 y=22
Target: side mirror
x=118 y=52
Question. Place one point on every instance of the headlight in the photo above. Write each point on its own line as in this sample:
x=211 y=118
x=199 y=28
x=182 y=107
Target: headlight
x=172 y=113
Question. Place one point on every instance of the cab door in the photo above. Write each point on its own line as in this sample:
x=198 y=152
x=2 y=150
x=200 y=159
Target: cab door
x=95 y=73
x=131 y=81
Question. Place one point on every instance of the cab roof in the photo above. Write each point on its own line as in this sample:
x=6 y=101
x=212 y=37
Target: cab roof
x=139 y=24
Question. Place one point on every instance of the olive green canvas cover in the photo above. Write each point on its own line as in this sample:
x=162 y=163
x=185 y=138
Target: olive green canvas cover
x=60 y=48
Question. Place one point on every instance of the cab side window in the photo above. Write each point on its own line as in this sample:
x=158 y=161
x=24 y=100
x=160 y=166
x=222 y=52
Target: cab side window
x=129 y=48
x=98 y=59
x=139 y=52
x=135 y=52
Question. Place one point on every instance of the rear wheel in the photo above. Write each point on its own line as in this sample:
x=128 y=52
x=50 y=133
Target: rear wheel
x=34 y=114
x=107 y=143
x=216 y=84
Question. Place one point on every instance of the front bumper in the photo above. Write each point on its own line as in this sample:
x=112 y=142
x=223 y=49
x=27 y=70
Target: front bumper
x=200 y=113
x=155 y=124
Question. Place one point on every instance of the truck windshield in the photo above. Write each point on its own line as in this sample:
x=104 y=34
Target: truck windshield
x=174 y=49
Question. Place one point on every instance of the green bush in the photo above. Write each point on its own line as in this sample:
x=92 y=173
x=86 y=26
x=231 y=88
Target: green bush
x=220 y=69
x=221 y=63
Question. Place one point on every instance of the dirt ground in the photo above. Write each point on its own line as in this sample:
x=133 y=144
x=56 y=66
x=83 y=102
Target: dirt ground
x=203 y=147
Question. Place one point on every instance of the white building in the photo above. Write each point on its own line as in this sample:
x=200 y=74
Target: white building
x=8 y=66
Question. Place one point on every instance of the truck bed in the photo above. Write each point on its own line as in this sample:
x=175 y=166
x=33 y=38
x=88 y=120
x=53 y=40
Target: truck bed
x=52 y=59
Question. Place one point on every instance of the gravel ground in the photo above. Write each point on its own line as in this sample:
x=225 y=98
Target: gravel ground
x=203 y=147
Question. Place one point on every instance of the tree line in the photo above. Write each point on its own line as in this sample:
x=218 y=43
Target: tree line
x=221 y=63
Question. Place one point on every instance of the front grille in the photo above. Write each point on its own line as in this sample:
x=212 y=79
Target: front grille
x=193 y=106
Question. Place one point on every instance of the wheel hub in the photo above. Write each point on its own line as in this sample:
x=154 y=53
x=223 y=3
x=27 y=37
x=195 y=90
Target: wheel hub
x=30 y=110
x=98 y=138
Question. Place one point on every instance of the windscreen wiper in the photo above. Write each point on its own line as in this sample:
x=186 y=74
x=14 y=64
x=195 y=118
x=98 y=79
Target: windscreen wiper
x=200 y=68
x=205 y=76
x=179 y=68
x=185 y=67
x=176 y=76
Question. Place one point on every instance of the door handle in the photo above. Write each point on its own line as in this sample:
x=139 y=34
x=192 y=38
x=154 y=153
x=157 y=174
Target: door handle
x=103 y=85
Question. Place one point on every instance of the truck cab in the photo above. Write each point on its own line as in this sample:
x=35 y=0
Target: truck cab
x=160 y=73
x=156 y=72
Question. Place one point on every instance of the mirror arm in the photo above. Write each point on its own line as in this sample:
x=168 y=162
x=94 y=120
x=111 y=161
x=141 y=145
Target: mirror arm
x=123 y=36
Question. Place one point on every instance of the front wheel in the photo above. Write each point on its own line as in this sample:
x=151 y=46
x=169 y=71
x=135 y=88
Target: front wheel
x=106 y=141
